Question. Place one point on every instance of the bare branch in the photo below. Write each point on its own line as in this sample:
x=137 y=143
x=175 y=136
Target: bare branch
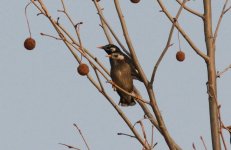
x=132 y=136
x=194 y=147
x=143 y=131
x=203 y=142
x=100 y=13
x=69 y=146
x=129 y=43
x=221 y=126
x=167 y=44
x=219 y=74
x=224 y=10
x=163 y=129
x=187 y=38
x=191 y=10
x=80 y=132
x=99 y=80
x=51 y=36
x=103 y=25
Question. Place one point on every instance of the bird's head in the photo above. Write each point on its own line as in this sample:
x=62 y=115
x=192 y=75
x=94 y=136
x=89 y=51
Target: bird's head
x=116 y=56
x=110 y=48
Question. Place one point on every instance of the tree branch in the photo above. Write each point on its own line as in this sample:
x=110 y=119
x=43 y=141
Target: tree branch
x=167 y=44
x=219 y=21
x=191 y=10
x=105 y=29
x=187 y=38
x=129 y=43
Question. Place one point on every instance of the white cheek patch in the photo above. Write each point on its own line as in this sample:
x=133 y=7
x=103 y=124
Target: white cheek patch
x=121 y=57
x=113 y=49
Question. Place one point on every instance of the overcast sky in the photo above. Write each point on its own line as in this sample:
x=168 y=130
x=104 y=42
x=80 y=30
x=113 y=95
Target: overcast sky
x=41 y=94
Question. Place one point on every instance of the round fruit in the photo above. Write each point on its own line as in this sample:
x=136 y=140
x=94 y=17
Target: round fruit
x=135 y=1
x=83 y=69
x=180 y=56
x=29 y=43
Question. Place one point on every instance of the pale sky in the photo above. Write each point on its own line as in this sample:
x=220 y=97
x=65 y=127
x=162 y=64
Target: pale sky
x=41 y=94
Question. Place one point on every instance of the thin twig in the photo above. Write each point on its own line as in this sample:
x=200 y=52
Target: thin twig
x=103 y=25
x=80 y=132
x=183 y=33
x=129 y=43
x=143 y=131
x=194 y=147
x=219 y=21
x=221 y=127
x=152 y=137
x=219 y=74
x=27 y=20
x=132 y=136
x=69 y=146
x=167 y=44
x=114 y=35
x=51 y=36
x=99 y=80
x=203 y=142
x=87 y=51
x=191 y=10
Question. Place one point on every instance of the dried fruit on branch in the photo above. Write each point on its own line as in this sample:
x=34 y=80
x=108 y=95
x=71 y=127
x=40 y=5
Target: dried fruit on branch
x=180 y=56
x=29 y=43
x=83 y=69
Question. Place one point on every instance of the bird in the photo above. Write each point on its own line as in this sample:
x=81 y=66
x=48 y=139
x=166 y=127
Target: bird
x=111 y=48
x=122 y=77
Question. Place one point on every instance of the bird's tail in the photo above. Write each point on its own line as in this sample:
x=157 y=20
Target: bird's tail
x=125 y=102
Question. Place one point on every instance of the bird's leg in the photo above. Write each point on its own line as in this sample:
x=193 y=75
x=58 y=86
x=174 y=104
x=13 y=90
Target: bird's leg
x=114 y=88
x=113 y=85
x=136 y=95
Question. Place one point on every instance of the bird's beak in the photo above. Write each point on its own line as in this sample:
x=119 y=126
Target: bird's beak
x=109 y=56
x=100 y=47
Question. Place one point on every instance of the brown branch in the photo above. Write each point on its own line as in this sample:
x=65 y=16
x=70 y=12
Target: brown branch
x=221 y=125
x=194 y=147
x=143 y=131
x=103 y=25
x=99 y=80
x=114 y=35
x=69 y=146
x=191 y=10
x=132 y=136
x=51 y=36
x=27 y=20
x=168 y=44
x=183 y=33
x=129 y=43
x=152 y=137
x=227 y=9
x=80 y=132
x=203 y=142
x=219 y=74
x=85 y=50
x=172 y=145
x=219 y=21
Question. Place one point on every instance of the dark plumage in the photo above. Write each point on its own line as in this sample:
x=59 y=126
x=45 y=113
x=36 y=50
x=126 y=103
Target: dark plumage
x=110 y=48
x=121 y=76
